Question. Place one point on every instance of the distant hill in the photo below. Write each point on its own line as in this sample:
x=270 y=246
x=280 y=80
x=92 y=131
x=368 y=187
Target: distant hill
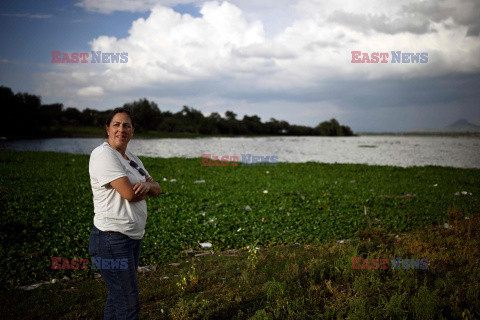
x=461 y=125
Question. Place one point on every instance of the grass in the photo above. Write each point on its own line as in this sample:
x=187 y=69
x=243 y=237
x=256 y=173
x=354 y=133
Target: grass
x=47 y=211
x=293 y=282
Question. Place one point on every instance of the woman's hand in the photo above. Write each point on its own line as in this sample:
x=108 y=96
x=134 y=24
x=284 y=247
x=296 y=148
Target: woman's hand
x=154 y=186
x=141 y=188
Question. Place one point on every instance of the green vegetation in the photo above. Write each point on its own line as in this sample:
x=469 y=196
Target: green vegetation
x=25 y=116
x=292 y=282
x=47 y=211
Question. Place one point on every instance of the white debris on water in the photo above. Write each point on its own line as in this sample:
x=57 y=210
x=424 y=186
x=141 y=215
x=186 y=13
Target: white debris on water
x=463 y=193
x=145 y=269
x=31 y=286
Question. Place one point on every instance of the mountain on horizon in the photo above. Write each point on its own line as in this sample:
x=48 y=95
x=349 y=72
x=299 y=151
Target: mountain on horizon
x=460 y=125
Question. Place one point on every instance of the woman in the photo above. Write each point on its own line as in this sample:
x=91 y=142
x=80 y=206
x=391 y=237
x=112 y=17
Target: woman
x=120 y=185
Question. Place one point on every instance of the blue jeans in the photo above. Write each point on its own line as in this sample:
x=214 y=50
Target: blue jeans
x=123 y=301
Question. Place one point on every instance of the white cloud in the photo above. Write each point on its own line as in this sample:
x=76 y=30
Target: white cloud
x=229 y=56
x=92 y=91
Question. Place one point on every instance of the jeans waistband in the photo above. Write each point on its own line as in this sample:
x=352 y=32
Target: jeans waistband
x=95 y=230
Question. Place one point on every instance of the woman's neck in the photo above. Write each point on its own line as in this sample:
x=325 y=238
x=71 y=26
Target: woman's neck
x=121 y=151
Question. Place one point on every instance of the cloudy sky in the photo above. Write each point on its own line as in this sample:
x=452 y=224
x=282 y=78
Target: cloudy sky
x=290 y=60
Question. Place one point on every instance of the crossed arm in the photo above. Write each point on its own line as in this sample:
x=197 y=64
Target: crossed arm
x=137 y=192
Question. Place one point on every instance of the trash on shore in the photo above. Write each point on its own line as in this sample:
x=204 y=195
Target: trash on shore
x=145 y=269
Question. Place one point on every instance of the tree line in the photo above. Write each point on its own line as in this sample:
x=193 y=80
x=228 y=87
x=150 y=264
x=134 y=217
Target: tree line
x=25 y=115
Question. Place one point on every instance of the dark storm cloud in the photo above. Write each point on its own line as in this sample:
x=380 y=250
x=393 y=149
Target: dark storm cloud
x=381 y=23
x=370 y=94
x=462 y=12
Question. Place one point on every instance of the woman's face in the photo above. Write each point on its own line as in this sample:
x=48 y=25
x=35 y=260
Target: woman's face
x=120 y=131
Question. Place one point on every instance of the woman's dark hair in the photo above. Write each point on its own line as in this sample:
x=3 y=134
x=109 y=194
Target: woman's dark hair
x=119 y=110
x=114 y=112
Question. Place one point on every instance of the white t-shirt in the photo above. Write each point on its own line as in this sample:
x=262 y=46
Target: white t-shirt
x=112 y=211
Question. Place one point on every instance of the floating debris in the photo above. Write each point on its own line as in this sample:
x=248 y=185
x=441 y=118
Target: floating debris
x=405 y=196
x=463 y=193
x=31 y=286
x=204 y=253
x=147 y=269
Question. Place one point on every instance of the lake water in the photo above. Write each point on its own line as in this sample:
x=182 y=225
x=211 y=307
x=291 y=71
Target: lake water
x=460 y=152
